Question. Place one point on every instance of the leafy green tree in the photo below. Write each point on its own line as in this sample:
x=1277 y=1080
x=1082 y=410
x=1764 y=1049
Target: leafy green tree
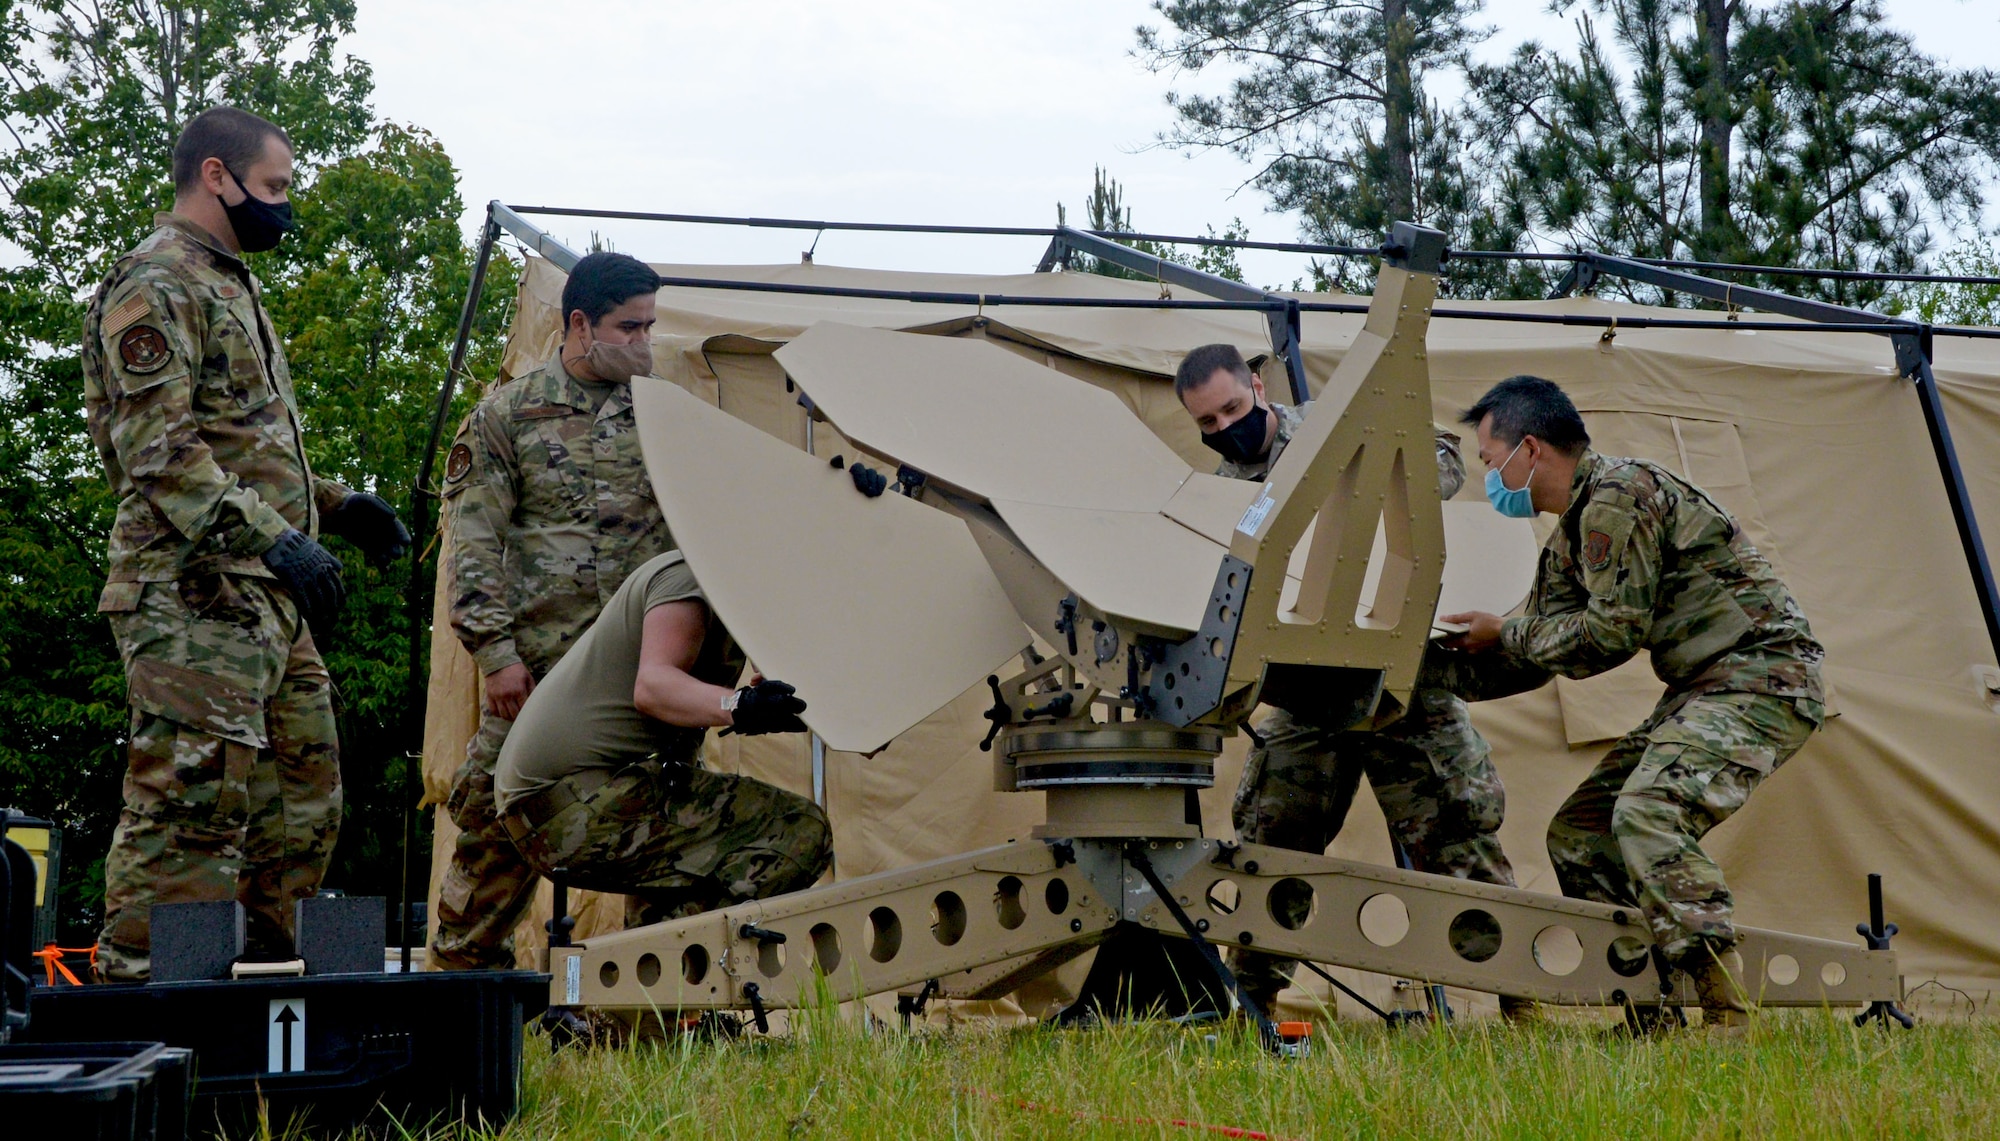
x=1328 y=100
x=1806 y=133
x=1801 y=132
x=91 y=98
x=1600 y=160
x=1957 y=303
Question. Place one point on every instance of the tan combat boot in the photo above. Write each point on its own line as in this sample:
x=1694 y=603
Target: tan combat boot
x=1719 y=983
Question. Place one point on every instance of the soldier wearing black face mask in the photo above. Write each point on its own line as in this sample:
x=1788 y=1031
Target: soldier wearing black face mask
x=257 y=224
x=1431 y=772
x=219 y=592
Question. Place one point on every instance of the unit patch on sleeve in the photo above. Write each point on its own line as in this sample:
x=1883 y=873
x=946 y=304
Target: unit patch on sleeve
x=1597 y=550
x=144 y=349
x=457 y=463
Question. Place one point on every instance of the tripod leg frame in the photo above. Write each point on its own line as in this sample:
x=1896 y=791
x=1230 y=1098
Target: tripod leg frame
x=986 y=922
x=1486 y=938
x=1014 y=907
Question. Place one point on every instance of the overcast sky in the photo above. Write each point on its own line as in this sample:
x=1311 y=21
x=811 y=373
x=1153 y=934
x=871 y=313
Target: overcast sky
x=869 y=110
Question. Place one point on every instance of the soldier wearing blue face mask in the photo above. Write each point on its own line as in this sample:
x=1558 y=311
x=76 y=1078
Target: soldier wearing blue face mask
x=1513 y=502
x=1431 y=772
x=1644 y=560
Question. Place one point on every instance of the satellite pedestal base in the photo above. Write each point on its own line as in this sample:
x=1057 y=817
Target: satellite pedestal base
x=983 y=923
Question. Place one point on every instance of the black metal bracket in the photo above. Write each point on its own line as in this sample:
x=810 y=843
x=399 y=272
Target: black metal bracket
x=561 y=922
x=1877 y=934
x=1419 y=249
x=1266 y=1031
x=757 y=1011
x=1189 y=677
x=1066 y=620
x=999 y=715
x=912 y=1005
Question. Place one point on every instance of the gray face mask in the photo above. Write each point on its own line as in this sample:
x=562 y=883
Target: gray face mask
x=619 y=362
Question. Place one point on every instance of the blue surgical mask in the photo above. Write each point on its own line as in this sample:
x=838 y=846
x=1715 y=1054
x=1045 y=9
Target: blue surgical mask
x=1514 y=503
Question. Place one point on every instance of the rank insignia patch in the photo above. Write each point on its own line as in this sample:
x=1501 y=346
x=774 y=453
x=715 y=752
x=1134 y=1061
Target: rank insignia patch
x=144 y=349
x=1596 y=550
x=457 y=463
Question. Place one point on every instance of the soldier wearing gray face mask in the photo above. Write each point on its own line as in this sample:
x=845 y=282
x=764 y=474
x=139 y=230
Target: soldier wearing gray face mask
x=549 y=509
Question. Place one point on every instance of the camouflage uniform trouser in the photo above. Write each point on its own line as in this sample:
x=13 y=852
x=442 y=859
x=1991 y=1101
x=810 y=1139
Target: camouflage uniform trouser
x=680 y=840
x=1431 y=771
x=1628 y=834
x=487 y=886
x=232 y=784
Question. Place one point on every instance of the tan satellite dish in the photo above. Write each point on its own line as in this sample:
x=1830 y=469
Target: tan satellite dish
x=900 y=588
x=1067 y=466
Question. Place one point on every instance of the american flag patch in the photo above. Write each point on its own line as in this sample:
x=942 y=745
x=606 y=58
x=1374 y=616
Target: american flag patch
x=127 y=314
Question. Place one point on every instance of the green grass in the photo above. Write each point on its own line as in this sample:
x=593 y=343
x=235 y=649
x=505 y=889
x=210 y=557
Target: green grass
x=1801 y=1075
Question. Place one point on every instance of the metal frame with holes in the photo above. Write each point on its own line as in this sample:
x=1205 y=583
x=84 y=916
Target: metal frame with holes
x=984 y=923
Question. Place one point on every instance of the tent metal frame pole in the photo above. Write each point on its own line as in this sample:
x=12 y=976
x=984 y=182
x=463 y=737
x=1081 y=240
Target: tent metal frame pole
x=533 y=236
x=1210 y=241
x=1911 y=340
x=415 y=593
x=1281 y=312
x=1904 y=334
x=1976 y=559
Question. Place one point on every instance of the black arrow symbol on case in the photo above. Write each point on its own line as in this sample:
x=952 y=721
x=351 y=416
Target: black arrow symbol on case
x=286 y=1019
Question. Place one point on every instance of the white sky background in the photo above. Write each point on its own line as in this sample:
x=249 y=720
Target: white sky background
x=855 y=110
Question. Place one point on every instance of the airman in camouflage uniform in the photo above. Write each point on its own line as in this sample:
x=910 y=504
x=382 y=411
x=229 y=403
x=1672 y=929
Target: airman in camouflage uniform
x=1644 y=560
x=232 y=789
x=599 y=778
x=550 y=509
x=1431 y=771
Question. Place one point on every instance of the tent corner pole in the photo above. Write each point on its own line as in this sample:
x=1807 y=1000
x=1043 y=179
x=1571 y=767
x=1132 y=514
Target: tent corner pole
x=415 y=595
x=1932 y=400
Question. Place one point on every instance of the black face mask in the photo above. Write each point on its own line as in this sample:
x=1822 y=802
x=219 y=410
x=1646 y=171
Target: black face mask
x=1243 y=441
x=258 y=224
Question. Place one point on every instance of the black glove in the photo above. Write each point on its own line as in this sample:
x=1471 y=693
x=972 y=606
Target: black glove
x=370 y=523
x=312 y=575
x=867 y=480
x=767 y=707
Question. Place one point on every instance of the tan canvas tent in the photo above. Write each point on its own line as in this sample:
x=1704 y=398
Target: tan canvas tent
x=1809 y=437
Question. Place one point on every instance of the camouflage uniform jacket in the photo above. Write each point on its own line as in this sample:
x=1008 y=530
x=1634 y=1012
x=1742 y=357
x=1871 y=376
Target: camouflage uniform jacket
x=1451 y=466
x=1642 y=559
x=551 y=510
x=191 y=407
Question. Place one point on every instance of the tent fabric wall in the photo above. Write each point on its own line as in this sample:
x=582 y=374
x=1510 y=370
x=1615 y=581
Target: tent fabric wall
x=1810 y=438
